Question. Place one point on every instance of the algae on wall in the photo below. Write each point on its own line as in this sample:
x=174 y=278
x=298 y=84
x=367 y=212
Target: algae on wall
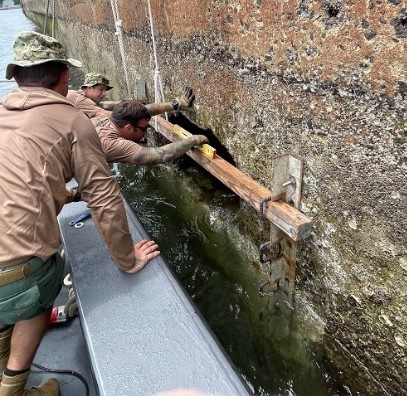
x=326 y=80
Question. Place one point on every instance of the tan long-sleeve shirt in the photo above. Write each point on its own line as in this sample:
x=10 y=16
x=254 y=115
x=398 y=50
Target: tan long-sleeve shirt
x=81 y=101
x=116 y=148
x=44 y=142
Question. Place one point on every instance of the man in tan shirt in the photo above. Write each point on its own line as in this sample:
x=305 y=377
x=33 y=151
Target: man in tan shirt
x=44 y=142
x=121 y=129
x=93 y=90
x=89 y=97
x=126 y=126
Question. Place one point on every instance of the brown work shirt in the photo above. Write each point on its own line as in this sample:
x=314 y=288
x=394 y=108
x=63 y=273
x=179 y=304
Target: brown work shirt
x=44 y=142
x=80 y=101
x=88 y=106
x=116 y=148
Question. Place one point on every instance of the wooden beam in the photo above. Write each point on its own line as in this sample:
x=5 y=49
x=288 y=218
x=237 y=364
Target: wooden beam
x=290 y=220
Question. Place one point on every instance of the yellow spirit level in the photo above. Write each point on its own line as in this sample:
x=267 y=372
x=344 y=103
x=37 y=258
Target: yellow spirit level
x=206 y=149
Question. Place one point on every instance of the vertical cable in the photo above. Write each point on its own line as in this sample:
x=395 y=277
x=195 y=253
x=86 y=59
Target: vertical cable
x=119 y=33
x=53 y=19
x=158 y=88
x=46 y=17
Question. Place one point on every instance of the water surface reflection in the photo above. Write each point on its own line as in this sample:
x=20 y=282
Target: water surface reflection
x=12 y=22
x=213 y=262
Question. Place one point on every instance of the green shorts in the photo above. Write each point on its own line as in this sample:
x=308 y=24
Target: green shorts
x=29 y=297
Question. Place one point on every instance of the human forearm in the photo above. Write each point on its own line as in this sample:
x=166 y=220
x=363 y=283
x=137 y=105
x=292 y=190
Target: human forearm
x=183 y=103
x=101 y=192
x=108 y=104
x=153 y=108
x=159 y=108
x=102 y=113
x=169 y=152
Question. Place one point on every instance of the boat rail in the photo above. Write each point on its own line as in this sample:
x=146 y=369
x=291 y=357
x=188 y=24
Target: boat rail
x=143 y=332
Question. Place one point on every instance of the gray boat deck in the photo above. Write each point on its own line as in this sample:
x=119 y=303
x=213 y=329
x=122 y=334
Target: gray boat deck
x=143 y=333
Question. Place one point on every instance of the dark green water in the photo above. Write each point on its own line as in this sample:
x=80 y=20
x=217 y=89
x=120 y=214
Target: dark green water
x=191 y=218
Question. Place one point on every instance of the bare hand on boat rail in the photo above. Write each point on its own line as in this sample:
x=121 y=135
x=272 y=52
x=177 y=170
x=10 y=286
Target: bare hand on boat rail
x=144 y=252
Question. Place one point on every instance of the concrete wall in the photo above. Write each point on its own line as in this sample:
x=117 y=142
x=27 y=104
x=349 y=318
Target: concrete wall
x=326 y=80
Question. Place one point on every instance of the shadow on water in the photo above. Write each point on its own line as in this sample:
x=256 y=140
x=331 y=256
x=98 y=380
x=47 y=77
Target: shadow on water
x=217 y=266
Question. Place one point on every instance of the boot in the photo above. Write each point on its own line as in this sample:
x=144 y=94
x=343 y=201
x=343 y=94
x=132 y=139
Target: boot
x=5 y=338
x=14 y=386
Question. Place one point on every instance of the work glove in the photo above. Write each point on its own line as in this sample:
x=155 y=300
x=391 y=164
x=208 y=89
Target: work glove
x=186 y=101
x=200 y=139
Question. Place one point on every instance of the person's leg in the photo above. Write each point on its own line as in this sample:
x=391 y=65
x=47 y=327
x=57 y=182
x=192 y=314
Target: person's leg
x=5 y=340
x=26 y=338
x=26 y=298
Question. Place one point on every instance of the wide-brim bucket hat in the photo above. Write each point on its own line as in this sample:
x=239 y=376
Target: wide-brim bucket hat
x=92 y=79
x=32 y=48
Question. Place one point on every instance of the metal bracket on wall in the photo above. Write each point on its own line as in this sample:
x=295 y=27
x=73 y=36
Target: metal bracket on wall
x=286 y=184
x=141 y=94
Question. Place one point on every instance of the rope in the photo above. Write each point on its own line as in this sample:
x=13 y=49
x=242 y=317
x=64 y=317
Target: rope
x=53 y=19
x=46 y=17
x=158 y=87
x=119 y=34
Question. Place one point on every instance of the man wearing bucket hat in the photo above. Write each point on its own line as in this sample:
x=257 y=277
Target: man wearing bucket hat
x=44 y=142
x=89 y=99
x=94 y=79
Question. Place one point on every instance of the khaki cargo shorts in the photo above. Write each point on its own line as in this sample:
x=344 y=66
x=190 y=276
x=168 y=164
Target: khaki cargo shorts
x=27 y=289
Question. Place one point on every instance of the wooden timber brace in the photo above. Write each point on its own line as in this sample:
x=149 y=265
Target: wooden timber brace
x=279 y=206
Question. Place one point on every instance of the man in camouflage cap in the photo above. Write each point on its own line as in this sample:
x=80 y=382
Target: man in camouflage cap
x=44 y=142
x=121 y=129
x=89 y=99
x=92 y=91
x=92 y=79
x=35 y=49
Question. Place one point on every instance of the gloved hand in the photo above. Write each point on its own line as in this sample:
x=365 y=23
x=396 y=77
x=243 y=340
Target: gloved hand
x=186 y=101
x=200 y=139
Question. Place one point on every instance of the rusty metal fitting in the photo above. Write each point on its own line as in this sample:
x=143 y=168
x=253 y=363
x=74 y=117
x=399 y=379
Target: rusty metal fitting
x=262 y=203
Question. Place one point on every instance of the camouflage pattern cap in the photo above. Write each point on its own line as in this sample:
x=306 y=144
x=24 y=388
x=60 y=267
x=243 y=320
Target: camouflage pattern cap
x=92 y=79
x=32 y=48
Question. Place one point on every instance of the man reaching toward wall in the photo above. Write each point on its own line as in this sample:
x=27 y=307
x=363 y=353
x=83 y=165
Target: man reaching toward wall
x=126 y=126
x=90 y=99
x=121 y=129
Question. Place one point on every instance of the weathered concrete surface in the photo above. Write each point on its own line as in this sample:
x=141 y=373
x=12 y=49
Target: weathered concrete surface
x=326 y=80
